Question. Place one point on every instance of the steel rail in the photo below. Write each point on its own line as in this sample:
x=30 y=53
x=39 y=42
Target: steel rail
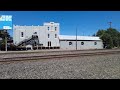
x=27 y=52
x=32 y=58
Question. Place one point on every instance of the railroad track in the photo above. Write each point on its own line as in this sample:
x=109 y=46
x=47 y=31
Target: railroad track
x=28 y=52
x=31 y=58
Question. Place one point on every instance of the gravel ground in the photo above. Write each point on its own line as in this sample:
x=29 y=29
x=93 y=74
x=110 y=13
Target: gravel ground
x=89 y=67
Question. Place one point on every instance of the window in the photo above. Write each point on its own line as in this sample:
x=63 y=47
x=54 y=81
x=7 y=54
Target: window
x=41 y=44
x=48 y=28
x=55 y=28
x=35 y=44
x=36 y=36
x=55 y=35
x=70 y=43
x=49 y=43
x=95 y=43
x=21 y=34
x=35 y=32
x=82 y=43
x=48 y=35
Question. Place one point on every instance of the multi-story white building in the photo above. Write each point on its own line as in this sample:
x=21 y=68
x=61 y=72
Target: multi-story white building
x=48 y=36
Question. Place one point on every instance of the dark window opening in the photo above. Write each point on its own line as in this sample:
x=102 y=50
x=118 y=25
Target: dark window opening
x=35 y=32
x=48 y=43
x=82 y=43
x=48 y=35
x=41 y=44
x=95 y=43
x=35 y=44
x=55 y=35
x=21 y=34
x=55 y=28
x=70 y=43
x=48 y=28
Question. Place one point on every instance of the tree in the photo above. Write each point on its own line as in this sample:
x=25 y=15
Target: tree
x=100 y=33
x=119 y=40
x=2 y=35
x=115 y=36
x=107 y=41
x=110 y=37
x=94 y=34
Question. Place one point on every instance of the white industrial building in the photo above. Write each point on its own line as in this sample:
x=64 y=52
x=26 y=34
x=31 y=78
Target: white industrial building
x=48 y=37
x=80 y=43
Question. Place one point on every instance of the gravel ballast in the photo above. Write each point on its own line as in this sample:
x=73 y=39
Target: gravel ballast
x=86 y=67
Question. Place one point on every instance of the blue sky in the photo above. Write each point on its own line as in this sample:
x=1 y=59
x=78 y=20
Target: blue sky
x=86 y=22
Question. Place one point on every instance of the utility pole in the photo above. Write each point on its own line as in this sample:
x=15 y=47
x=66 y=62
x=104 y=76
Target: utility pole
x=5 y=31
x=76 y=38
x=110 y=23
x=6 y=43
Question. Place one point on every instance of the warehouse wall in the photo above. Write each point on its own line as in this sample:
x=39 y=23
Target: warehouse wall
x=64 y=44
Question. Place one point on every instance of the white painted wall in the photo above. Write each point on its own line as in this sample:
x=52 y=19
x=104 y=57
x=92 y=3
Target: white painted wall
x=42 y=32
x=87 y=45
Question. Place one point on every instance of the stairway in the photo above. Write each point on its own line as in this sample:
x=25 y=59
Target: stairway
x=30 y=41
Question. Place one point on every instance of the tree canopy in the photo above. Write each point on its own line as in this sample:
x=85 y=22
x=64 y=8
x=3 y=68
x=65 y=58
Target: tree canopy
x=110 y=37
x=2 y=35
